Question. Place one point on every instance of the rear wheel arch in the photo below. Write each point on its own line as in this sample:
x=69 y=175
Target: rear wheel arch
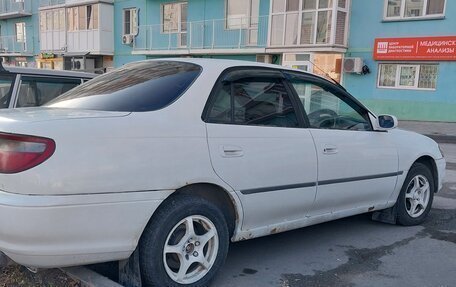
x=218 y=196
x=212 y=193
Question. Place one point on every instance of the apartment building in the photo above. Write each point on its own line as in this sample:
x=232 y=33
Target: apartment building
x=296 y=33
x=409 y=47
x=76 y=35
x=17 y=32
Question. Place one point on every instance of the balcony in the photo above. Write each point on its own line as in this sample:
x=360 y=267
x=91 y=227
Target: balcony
x=14 y=9
x=96 y=41
x=203 y=37
x=9 y=46
x=45 y=3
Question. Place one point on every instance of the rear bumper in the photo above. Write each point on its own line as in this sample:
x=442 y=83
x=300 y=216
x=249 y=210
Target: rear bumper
x=441 y=167
x=68 y=230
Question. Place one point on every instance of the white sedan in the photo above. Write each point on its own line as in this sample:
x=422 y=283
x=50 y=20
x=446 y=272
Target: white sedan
x=175 y=158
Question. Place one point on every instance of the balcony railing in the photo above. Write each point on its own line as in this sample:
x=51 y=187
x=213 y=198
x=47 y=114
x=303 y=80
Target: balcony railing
x=240 y=33
x=14 y=8
x=44 y=3
x=9 y=45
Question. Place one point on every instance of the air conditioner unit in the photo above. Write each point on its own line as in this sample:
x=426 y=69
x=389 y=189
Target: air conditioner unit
x=81 y=65
x=353 y=65
x=127 y=39
x=77 y=64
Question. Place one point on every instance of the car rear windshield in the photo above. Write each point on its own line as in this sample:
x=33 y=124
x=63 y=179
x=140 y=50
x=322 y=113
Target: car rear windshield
x=137 y=87
x=6 y=89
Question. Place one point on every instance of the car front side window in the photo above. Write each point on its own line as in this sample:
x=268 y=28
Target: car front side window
x=327 y=110
x=253 y=101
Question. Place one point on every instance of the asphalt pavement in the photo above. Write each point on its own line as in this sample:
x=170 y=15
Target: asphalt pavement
x=354 y=251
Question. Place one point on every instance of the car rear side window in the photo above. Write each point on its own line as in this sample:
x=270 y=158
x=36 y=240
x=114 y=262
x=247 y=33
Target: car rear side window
x=36 y=91
x=254 y=101
x=137 y=87
x=6 y=89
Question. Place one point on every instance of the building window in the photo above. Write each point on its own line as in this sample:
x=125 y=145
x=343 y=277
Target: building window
x=408 y=76
x=83 y=18
x=52 y=20
x=412 y=9
x=20 y=32
x=241 y=13
x=92 y=17
x=309 y=22
x=130 y=21
x=174 y=20
x=174 y=17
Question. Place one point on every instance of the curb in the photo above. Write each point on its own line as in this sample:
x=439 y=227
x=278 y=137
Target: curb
x=443 y=138
x=89 y=278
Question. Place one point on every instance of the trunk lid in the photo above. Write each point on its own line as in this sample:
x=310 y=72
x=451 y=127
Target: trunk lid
x=41 y=114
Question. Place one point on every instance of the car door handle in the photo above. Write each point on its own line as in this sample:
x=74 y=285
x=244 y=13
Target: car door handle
x=329 y=149
x=232 y=151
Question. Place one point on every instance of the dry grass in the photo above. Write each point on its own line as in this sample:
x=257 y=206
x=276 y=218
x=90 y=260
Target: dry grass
x=18 y=276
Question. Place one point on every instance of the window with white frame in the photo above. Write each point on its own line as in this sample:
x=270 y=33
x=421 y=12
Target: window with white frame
x=309 y=22
x=20 y=32
x=241 y=13
x=130 y=19
x=412 y=9
x=408 y=76
x=83 y=18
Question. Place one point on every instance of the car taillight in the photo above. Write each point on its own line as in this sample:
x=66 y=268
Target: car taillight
x=22 y=152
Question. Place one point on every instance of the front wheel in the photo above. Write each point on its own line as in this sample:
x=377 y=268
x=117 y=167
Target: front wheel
x=417 y=194
x=185 y=244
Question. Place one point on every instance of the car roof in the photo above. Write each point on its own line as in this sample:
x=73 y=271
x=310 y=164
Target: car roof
x=47 y=72
x=222 y=64
x=219 y=65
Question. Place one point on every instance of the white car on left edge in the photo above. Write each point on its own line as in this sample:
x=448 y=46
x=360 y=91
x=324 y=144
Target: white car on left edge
x=175 y=158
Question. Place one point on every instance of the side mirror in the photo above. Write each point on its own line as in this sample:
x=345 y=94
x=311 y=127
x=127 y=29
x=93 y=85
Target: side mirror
x=386 y=122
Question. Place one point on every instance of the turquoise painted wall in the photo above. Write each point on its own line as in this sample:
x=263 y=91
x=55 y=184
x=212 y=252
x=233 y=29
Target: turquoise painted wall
x=122 y=53
x=149 y=14
x=8 y=28
x=365 y=25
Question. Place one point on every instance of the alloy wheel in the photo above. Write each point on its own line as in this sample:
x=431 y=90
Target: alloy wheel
x=190 y=249
x=417 y=196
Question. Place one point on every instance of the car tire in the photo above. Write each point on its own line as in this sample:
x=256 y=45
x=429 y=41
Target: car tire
x=169 y=244
x=416 y=196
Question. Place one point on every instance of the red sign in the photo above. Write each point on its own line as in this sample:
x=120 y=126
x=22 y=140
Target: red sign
x=420 y=49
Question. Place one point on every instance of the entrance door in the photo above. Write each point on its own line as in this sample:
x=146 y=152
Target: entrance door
x=259 y=147
x=253 y=22
x=298 y=61
x=175 y=23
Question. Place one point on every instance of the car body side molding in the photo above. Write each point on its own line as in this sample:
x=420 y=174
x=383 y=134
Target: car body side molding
x=280 y=187
x=323 y=182
x=358 y=178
